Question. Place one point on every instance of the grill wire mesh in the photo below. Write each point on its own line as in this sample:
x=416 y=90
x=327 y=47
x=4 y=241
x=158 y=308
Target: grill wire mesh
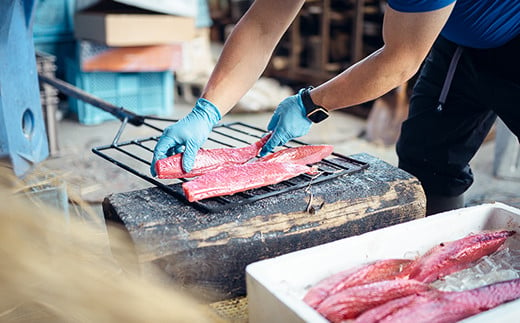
x=135 y=155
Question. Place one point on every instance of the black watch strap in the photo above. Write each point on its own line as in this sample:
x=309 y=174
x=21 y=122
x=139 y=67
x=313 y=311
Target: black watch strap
x=314 y=112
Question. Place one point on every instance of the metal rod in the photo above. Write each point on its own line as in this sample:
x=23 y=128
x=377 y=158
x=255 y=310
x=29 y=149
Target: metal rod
x=134 y=156
x=77 y=93
x=119 y=132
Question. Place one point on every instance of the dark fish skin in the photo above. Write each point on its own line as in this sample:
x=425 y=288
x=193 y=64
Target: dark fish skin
x=368 y=273
x=443 y=307
x=449 y=257
x=207 y=160
x=351 y=302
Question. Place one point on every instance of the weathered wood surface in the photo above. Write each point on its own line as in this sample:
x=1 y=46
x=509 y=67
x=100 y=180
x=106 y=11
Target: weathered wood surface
x=209 y=252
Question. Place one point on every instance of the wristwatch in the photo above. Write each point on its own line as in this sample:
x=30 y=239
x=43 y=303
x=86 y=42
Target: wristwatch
x=314 y=112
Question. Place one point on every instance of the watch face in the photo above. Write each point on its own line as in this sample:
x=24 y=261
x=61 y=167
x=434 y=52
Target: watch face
x=318 y=115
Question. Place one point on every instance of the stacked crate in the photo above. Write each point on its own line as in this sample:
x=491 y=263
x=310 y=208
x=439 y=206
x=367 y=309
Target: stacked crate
x=145 y=90
x=145 y=93
x=145 y=86
x=53 y=30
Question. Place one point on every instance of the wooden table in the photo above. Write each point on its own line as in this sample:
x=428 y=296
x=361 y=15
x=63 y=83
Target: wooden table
x=208 y=252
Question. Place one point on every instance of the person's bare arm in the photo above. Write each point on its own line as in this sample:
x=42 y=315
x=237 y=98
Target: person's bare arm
x=248 y=50
x=407 y=37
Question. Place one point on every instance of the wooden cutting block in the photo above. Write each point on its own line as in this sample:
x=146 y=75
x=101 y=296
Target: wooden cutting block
x=208 y=252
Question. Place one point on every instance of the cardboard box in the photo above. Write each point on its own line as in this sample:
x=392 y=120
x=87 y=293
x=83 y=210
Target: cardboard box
x=115 y=24
x=275 y=287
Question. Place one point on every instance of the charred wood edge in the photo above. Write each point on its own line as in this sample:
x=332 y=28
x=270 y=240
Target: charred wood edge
x=110 y=213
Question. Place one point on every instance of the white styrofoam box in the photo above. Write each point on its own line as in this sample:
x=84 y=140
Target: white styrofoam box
x=276 y=286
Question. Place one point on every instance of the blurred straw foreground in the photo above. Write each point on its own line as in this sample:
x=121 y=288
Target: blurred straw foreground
x=52 y=270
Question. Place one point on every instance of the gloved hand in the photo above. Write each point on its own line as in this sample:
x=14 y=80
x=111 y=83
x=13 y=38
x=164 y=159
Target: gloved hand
x=187 y=135
x=289 y=121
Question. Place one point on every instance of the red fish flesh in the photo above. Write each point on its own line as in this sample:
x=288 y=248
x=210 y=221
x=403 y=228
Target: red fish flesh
x=303 y=155
x=437 y=310
x=452 y=256
x=378 y=313
x=207 y=160
x=353 y=301
x=424 y=307
x=238 y=178
x=360 y=275
x=443 y=307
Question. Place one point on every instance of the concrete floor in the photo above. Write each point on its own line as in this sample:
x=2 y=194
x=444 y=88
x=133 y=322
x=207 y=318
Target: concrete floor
x=92 y=178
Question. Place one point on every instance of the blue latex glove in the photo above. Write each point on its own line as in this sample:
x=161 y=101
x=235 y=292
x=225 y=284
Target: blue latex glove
x=187 y=135
x=289 y=121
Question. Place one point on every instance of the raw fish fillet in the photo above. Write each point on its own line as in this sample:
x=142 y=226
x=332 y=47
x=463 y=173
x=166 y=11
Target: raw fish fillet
x=378 y=313
x=207 y=160
x=487 y=297
x=360 y=275
x=353 y=301
x=452 y=256
x=238 y=178
x=446 y=307
x=303 y=155
x=425 y=307
x=434 y=311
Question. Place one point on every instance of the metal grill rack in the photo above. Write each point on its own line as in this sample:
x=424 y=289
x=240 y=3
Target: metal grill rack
x=229 y=135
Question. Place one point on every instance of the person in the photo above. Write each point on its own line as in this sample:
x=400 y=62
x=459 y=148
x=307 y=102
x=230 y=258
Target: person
x=467 y=54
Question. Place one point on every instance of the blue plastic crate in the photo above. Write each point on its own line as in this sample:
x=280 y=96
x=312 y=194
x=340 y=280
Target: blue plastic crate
x=145 y=93
x=203 y=18
x=53 y=20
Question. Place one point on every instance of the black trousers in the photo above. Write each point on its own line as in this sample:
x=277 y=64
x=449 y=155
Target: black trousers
x=436 y=145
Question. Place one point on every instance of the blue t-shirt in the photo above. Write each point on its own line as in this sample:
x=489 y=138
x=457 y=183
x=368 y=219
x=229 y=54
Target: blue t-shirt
x=473 y=23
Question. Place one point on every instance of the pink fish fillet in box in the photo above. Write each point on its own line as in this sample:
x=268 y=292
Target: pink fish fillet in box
x=452 y=256
x=436 y=306
x=353 y=301
x=368 y=273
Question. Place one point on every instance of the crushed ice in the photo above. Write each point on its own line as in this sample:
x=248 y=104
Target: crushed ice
x=499 y=266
